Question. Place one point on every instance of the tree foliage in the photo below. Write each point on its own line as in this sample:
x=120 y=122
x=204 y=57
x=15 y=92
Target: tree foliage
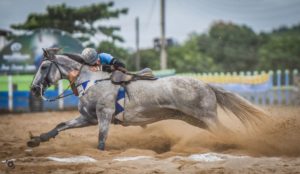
x=148 y=58
x=117 y=52
x=76 y=20
x=188 y=58
x=225 y=47
x=184 y=58
x=281 y=51
x=232 y=47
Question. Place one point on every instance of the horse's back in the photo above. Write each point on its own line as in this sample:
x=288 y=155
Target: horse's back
x=169 y=91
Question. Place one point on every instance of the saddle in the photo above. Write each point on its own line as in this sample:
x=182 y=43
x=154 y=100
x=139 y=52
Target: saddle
x=124 y=78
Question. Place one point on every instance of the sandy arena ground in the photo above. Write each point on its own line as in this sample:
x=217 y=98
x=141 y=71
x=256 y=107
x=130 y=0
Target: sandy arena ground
x=164 y=147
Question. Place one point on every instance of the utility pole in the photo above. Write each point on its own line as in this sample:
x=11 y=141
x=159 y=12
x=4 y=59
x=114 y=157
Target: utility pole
x=137 y=41
x=163 y=52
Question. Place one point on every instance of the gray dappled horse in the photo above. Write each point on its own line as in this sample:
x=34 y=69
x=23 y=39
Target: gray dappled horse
x=187 y=99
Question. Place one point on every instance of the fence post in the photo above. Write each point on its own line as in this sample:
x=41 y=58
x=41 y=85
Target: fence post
x=10 y=93
x=287 y=90
x=271 y=95
x=263 y=96
x=295 y=84
x=254 y=82
x=250 y=94
x=279 y=95
x=60 y=90
x=295 y=73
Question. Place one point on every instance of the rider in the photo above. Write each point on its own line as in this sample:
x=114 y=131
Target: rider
x=108 y=62
x=103 y=61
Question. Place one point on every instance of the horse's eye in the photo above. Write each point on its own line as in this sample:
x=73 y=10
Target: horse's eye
x=43 y=67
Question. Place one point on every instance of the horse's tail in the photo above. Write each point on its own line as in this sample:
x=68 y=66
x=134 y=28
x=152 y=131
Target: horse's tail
x=241 y=108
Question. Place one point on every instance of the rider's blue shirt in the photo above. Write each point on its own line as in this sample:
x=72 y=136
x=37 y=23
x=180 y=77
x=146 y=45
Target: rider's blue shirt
x=105 y=58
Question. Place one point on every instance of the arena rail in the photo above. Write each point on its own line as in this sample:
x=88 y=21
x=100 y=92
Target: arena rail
x=15 y=95
x=265 y=88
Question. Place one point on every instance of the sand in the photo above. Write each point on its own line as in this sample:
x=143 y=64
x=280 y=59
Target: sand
x=170 y=146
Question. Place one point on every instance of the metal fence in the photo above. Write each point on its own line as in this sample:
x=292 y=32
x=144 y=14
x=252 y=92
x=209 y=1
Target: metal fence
x=15 y=95
x=264 y=88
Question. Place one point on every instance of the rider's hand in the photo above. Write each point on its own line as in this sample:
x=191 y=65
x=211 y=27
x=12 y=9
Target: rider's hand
x=124 y=70
x=73 y=75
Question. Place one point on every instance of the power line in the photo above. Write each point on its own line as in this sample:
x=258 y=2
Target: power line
x=150 y=15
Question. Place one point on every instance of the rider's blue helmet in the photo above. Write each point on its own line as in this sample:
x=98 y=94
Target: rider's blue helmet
x=90 y=56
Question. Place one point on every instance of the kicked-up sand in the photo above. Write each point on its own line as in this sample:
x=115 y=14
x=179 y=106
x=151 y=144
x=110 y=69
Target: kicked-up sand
x=170 y=146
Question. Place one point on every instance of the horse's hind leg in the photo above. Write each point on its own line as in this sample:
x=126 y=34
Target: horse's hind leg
x=74 y=123
x=206 y=121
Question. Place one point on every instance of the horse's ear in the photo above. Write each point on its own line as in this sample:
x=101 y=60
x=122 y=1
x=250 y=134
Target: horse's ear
x=45 y=53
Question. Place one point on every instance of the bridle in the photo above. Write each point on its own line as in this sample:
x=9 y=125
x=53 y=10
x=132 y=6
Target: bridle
x=45 y=80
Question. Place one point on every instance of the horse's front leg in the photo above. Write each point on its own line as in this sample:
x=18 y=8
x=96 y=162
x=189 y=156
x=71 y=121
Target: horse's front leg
x=74 y=123
x=104 y=115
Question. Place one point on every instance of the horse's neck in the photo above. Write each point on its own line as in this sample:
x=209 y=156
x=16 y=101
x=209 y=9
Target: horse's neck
x=86 y=74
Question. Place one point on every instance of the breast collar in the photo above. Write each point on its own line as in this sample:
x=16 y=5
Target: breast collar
x=83 y=87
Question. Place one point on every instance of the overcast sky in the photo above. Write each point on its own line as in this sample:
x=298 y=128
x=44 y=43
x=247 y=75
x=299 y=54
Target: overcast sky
x=182 y=16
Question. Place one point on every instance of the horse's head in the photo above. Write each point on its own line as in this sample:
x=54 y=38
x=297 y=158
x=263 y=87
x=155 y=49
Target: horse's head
x=52 y=69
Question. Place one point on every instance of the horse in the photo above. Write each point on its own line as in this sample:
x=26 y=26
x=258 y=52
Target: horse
x=174 y=97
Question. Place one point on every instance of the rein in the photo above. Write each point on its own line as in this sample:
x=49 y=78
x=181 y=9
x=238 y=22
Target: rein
x=61 y=76
x=62 y=94
x=50 y=57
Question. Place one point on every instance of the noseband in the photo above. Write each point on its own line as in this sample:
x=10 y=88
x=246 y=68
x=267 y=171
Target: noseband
x=46 y=80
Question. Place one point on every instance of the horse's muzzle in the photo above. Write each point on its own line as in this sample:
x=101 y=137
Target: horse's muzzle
x=36 y=90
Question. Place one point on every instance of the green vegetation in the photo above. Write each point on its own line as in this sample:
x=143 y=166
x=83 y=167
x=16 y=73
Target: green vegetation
x=228 y=47
x=112 y=49
x=22 y=82
x=281 y=49
x=76 y=20
x=225 y=47
x=232 y=47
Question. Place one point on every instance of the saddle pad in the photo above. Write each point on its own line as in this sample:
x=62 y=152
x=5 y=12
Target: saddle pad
x=82 y=88
x=120 y=104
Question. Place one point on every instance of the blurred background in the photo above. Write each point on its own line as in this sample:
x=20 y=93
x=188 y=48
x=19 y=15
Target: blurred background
x=248 y=47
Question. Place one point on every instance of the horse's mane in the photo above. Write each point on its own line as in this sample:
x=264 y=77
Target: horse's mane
x=50 y=53
x=76 y=57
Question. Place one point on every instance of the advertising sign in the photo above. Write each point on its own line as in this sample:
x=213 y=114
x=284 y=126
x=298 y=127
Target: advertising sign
x=24 y=54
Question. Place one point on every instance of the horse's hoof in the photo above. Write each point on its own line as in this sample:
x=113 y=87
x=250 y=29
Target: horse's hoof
x=34 y=142
x=46 y=136
x=101 y=146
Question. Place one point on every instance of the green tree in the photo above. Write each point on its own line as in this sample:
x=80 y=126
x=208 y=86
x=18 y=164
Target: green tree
x=149 y=58
x=232 y=47
x=281 y=51
x=185 y=57
x=117 y=52
x=188 y=58
x=82 y=20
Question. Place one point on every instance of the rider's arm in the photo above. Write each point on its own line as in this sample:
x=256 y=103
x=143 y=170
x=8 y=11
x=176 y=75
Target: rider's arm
x=117 y=63
x=107 y=59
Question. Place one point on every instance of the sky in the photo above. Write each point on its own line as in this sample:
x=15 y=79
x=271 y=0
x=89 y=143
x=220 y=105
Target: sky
x=182 y=16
